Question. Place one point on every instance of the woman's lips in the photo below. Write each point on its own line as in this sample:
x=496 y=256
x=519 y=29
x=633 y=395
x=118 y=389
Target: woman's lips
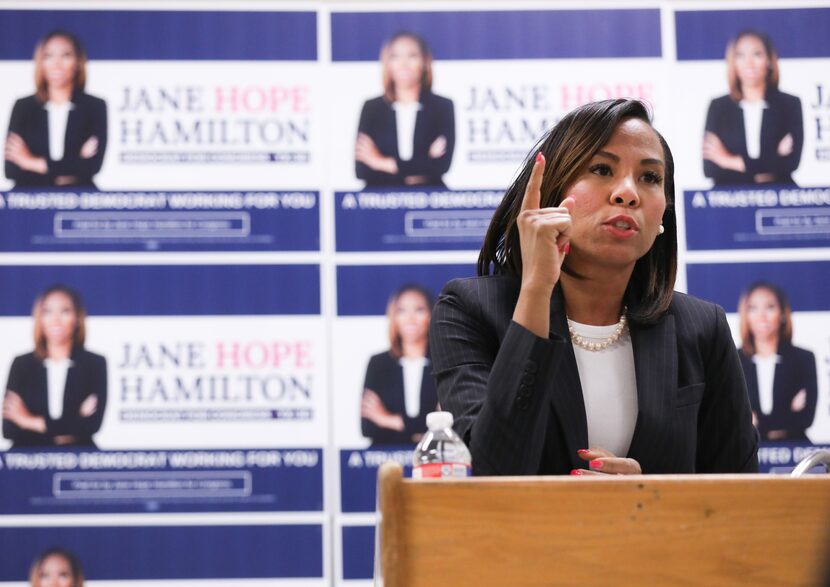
x=622 y=226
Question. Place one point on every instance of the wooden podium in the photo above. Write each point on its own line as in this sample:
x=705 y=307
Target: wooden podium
x=653 y=531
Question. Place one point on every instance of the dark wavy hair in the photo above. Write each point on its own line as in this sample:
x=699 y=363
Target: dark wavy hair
x=568 y=147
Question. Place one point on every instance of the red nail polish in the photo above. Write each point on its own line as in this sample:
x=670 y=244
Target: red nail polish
x=583 y=451
x=595 y=464
x=576 y=471
x=539 y=157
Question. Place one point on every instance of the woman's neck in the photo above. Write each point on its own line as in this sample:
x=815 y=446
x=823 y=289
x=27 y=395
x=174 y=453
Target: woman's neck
x=415 y=349
x=407 y=95
x=59 y=351
x=754 y=93
x=60 y=95
x=589 y=301
x=766 y=347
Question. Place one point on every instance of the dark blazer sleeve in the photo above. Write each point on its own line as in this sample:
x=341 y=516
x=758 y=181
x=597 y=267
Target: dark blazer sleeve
x=88 y=119
x=807 y=369
x=437 y=118
x=727 y=441
x=374 y=122
x=20 y=123
x=16 y=378
x=798 y=368
x=87 y=377
x=491 y=376
x=725 y=120
x=375 y=381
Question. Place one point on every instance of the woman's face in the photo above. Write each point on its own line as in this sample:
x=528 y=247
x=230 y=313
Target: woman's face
x=620 y=200
x=405 y=62
x=764 y=314
x=751 y=61
x=60 y=62
x=412 y=314
x=58 y=318
x=55 y=571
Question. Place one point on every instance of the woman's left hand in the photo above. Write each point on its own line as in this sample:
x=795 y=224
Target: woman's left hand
x=603 y=462
x=17 y=151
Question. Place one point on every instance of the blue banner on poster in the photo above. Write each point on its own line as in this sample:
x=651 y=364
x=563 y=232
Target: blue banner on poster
x=757 y=218
x=544 y=34
x=412 y=220
x=167 y=221
x=358 y=552
x=63 y=481
x=363 y=290
x=805 y=283
x=798 y=32
x=199 y=552
x=359 y=474
x=144 y=35
x=782 y=457
x=169 y=290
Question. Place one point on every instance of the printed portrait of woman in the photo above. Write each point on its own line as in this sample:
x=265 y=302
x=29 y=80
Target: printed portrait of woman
x=406 y=136
x=56 y=567
x=781 y=378
x=56 y=394
x=755 y=133
x=398 y=391
x=58 y=135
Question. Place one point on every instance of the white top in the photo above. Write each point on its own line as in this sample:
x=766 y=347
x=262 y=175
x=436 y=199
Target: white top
x=609 y=388
x=753 y=114
x=413 y=375
x=58 y=115
x=405 y=115
x=56 y=371
x=765 y=370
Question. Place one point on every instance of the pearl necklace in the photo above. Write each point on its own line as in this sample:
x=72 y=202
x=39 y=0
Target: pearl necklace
x=586 y=344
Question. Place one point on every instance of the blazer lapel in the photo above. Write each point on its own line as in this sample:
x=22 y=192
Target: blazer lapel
x=655 y=366
x=567 y=401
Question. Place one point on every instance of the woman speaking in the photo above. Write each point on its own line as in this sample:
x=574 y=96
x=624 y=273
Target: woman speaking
x=56 y=395
x=575 y=355
x=58 y=136
x=406 y=136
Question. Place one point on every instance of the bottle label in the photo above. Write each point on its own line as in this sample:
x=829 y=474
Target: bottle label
x=441 y=470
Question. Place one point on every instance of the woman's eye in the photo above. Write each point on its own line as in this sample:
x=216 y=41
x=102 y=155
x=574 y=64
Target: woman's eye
x=600 y=169
x=652 y=177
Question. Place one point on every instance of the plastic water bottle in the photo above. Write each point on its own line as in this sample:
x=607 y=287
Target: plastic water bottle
x=441 y=452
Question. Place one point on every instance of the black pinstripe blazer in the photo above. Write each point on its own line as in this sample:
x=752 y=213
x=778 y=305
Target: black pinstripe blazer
x=517 y=398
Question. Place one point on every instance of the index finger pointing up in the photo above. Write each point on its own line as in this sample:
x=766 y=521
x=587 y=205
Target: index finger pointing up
x=533 y=196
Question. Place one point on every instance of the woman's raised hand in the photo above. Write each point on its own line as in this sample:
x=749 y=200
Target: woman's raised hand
x=544 y=236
